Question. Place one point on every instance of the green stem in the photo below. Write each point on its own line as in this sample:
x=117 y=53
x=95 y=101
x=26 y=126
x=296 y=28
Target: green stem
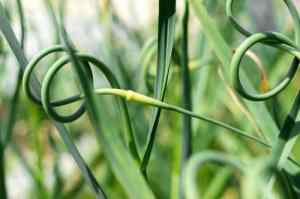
x=22 y=23
x=187 y=98
x=142 y=99
x=186 y=89
x=166 y=35
x=279 y=156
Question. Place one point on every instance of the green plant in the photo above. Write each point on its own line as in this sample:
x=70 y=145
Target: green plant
x=126 y=137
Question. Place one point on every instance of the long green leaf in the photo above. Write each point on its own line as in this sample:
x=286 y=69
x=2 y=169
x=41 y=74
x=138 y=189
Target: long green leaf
x=166 y=35
x=123 y=164
x=186 y=149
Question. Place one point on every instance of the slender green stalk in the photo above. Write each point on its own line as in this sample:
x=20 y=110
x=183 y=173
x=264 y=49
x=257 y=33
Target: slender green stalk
x=186 y=92
x=166 y=34
x=22 y=23
x=133 y=96
x=186 y=88
x=285 y=133
x=129 y=96
x=281 y=149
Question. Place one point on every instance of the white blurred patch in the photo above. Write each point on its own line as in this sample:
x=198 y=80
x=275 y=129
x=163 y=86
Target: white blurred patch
x=18 y=182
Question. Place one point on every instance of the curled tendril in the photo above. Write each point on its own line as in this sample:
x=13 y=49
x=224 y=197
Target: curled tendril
x=197 y=161
x=252 y=175
x=41 y=100
x=45 y=91
x=44 y=99
x=273 y=39
x=241 y=52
